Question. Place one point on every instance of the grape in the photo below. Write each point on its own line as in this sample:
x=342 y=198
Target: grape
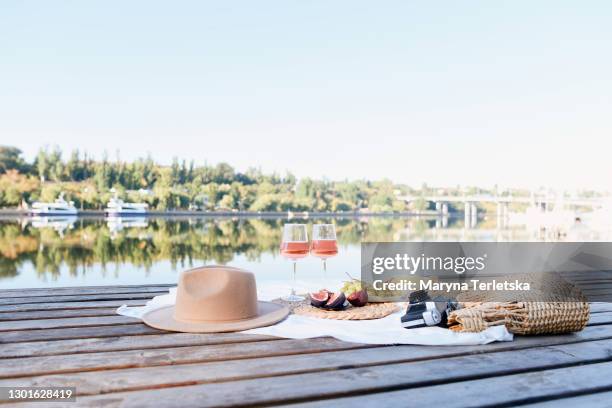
x=351 y=286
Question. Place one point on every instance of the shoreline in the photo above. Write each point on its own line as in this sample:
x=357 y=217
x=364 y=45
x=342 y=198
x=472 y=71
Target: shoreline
x=8 y=213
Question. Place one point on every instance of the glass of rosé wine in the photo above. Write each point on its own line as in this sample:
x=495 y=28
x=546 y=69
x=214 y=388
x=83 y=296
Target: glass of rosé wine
x=294 y=246
x=324 y=244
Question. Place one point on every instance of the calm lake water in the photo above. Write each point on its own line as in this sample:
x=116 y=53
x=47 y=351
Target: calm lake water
x=77 y=252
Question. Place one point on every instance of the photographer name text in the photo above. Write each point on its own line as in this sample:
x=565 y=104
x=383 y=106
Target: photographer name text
x=474 y=284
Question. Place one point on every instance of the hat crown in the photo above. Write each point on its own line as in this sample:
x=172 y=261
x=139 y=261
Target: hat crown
x=215 y=294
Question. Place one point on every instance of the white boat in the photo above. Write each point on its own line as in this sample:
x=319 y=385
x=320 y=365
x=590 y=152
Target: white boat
x=58 y=207
x=118 y=208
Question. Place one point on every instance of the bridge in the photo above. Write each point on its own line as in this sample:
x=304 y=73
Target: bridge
x=470 y=207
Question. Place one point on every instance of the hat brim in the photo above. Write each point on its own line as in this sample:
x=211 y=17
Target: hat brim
x=163 y=318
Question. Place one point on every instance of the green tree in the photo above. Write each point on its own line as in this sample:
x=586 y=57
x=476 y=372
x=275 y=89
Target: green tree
x=10 y=159
x=42 y=164
x=56 y=166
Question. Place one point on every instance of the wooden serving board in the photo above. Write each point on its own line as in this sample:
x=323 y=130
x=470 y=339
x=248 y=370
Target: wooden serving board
x=367 y=312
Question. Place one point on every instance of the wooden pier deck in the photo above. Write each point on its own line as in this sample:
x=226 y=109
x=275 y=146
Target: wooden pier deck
x=72 y=337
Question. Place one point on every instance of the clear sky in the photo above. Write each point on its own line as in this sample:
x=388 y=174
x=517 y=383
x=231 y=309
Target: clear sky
x=513 y=92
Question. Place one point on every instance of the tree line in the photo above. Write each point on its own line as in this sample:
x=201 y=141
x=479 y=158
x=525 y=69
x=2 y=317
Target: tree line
x=90 y=183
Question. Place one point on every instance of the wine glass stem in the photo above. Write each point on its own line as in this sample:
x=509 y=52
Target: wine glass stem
x=294 y=274
x=324 y=265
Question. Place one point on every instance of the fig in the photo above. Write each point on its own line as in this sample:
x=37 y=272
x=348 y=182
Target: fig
x=336 y=301
x=320 y=298
x=358 y=298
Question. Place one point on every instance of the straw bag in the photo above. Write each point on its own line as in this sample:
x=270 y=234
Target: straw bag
x=522 y=317
x=553 y=306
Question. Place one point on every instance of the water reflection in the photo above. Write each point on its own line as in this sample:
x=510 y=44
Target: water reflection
x=45 y=248
x=116 y=224
x=59 y=224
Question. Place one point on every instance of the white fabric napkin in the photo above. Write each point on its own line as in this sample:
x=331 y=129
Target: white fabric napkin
x=379 y=331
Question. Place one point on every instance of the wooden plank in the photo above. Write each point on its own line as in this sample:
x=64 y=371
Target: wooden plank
x=83 y=290
x=32 y=307
x=38 y=324
x=99 y=309
x=28 y=366
x=597 y=400
x=16 y=331
x=587 y=274
x=603 y=317
x=57 y=314
x=76 y=333
x=588 y=280
x=92 y=345
x=600 y=298
x=79 y=298
x=600 y=318
x=77 y=289
x=89 y=312
x=323 y=364
x=506 y=389
x=151 y=341
x=595 y=291
x=594 y=284
x=598 y=307
x=16 y=336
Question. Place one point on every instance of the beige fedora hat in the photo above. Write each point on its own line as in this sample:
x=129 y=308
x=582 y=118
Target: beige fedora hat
x=214 y=299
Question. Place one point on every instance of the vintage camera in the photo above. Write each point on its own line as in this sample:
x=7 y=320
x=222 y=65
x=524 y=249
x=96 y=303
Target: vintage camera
x=423 y=311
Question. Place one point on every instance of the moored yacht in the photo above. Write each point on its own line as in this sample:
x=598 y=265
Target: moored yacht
x=58 y=207
x=118 y=208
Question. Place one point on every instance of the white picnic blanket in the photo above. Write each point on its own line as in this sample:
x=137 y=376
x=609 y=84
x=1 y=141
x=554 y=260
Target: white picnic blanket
x=380 y=331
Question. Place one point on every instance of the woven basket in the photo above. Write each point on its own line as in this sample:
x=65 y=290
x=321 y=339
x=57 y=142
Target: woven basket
x=554 y=306
x=522 y=317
